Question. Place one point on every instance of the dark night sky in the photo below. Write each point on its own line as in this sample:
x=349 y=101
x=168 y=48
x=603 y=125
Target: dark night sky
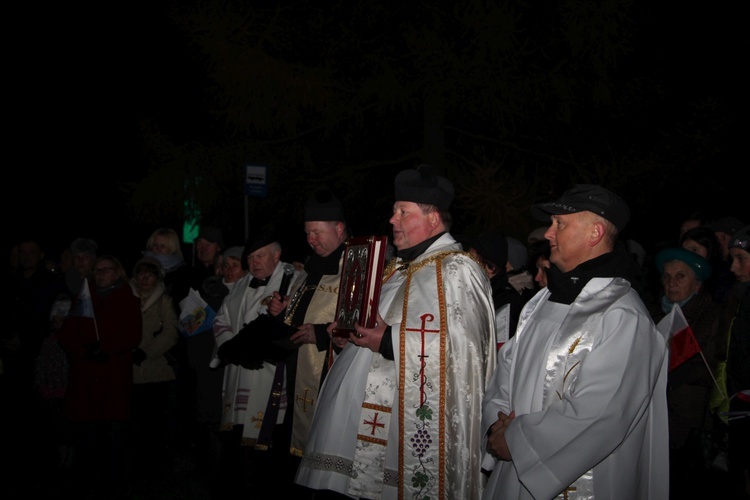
x=83 y=80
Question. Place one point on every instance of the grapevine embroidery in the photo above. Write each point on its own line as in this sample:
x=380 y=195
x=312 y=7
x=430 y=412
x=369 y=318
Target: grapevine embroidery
x=421 y=440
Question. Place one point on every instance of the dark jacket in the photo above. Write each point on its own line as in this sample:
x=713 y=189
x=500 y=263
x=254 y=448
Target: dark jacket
x=100 y=382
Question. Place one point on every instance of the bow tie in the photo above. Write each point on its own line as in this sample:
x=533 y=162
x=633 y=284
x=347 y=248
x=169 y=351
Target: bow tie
x=255 y=282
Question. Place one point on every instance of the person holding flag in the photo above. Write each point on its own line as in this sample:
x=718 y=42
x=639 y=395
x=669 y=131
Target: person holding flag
x=689 y=317
x=99 y=337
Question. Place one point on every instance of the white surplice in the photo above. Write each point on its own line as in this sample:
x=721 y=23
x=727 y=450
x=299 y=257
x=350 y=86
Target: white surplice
x=245 y=392
x=441 y=315
x=588 y=384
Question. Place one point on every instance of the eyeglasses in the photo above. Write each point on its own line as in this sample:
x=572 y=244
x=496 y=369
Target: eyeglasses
x=102 y=270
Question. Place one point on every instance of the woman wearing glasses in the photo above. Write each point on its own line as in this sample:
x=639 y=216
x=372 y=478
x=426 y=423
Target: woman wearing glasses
x=99 y=336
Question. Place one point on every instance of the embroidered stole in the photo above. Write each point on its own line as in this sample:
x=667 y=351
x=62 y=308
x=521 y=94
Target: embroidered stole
x=421 y=374
x=321 y=310
x=247 y=392
x=421 y=396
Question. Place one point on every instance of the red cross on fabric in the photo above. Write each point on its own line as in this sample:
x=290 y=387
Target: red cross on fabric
x=374 y=423
x=427 y=317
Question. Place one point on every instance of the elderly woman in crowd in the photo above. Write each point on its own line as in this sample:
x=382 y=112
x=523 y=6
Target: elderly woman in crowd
x=154 y=392
x=683 y=274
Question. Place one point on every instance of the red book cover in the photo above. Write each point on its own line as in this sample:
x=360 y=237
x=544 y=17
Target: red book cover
x=359 y=289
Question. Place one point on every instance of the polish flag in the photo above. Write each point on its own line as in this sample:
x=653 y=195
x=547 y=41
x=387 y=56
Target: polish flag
x=679 y=336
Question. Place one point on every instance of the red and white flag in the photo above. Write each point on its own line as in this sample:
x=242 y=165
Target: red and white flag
x=679 y=337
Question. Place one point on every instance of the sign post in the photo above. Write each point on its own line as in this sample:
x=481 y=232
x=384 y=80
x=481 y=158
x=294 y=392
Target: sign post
x=256 y=185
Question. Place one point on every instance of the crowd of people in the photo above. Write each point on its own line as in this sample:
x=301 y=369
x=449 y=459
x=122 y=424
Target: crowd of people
x=542 y=367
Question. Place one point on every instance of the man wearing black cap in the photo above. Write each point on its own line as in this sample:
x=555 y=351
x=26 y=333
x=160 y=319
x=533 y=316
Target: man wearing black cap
x=310 y=308
x=577 y=405
x=400 y=409
x=249 y=385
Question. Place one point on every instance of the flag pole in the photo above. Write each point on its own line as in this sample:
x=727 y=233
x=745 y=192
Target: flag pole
x=85 y=306
x=710 y=372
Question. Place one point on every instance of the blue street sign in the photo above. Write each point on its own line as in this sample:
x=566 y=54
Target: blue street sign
x=256 y=180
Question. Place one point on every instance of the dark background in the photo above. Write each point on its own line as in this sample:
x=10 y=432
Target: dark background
x=105 y=100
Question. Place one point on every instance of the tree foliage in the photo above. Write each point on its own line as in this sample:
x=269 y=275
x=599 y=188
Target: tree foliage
x=514 y=101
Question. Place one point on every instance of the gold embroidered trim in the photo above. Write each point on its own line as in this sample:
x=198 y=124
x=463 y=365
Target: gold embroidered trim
x=401 y=375
x=371 y=406
x=370 y=439
x=441 y=400
x=410 y=268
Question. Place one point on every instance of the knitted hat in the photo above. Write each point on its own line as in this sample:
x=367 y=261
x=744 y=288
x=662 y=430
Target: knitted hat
x=81 y=246
x=235 y=252
x=741 y=239
x=729 y=225
x=150 y=264
x=423 y=185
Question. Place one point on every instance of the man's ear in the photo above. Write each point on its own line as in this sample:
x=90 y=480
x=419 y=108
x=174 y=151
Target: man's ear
x=434 y=219
x=598 y=230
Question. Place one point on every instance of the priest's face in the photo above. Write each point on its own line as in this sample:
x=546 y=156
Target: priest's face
x=262 y=262
x=324 y=236
x=410 y=225
x=570 y=240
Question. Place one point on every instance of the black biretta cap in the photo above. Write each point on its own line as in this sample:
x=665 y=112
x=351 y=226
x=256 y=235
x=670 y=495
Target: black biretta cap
x=322 y=205
x=423 y=185
x=586 y=198
x=261 y=239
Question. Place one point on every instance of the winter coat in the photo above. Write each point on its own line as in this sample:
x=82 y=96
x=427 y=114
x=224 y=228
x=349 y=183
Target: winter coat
x=159 y=336
x=100 y=381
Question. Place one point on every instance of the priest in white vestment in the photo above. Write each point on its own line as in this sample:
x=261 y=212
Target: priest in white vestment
x=399 y=413
x=577 y=405
x=246 y=391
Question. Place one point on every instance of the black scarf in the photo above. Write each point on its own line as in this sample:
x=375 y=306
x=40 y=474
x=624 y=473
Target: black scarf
x=565 y=287
x=409 y=254
x=317 y=266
